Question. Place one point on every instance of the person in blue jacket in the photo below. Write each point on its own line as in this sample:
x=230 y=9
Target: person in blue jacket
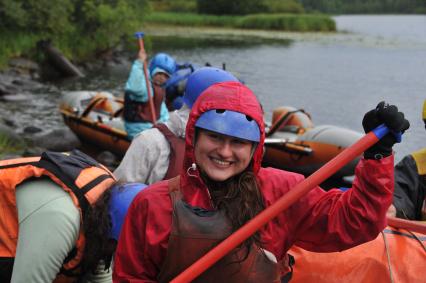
x=137 y=109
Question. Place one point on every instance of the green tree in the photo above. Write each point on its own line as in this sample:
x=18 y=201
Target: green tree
x=77 y=27
x=244 y=7
x=107 y=21
x=365 y=6
x=283 y=6
x=230 y=7
x=36 y=15
x=12 y=15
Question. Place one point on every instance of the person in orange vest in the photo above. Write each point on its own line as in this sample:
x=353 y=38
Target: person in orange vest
x=409 y=200
x=222 y=185
x=60 y=220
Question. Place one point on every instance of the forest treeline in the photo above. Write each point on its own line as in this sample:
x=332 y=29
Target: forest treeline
x=81 y=29
x=244 y=7
x=365 y=6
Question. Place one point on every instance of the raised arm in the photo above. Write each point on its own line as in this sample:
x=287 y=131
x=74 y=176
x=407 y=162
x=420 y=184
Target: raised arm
x=341 y=220
x=136 y=83
x=335 y=220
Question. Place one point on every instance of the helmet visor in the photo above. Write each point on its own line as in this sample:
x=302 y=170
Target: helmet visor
x=230 y=123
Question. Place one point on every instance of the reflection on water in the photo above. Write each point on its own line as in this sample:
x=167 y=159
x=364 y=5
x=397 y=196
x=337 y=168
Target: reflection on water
x=334 y=77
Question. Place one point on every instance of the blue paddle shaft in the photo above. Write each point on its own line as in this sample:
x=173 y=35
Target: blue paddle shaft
x=139 y=34
x=382 y=130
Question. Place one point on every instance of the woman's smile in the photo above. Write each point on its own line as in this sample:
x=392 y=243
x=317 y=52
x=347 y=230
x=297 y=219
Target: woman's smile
x=221 y=156
x=221 y=163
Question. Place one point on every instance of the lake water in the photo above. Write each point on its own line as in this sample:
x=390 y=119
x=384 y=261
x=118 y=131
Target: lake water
x=334 y=77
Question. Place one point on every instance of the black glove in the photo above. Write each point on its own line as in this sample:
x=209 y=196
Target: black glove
x=394 y=120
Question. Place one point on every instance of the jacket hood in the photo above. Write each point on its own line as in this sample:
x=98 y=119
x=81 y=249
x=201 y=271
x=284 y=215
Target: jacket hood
x=232 y=96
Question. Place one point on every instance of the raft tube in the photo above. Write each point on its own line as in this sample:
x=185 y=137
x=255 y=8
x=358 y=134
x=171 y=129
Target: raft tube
x=396 y=255
x=95 y=117
x=293 y=143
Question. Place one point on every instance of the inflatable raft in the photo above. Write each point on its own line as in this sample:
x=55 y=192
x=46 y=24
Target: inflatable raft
x=95 y=117
x=292 y=142
x=396 y=255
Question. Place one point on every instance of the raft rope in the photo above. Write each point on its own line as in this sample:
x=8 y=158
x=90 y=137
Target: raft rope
x=284 y=118
x=388 y=256
x=417 y=238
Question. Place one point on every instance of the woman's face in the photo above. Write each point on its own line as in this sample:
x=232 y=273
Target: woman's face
x=159 y=79
x=220 y=156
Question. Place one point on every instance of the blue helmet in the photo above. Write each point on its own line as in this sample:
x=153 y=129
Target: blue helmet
x=121 y=198
x=163 y=62
x=176 y=84
x=201 y=79
x=179 y=77
x=177 y=103
x=230 y=123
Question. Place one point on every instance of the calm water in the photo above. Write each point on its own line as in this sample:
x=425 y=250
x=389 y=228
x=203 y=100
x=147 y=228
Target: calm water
x=336 y=78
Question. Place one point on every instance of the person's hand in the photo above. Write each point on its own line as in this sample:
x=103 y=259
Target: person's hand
x=142 y=55
x=393 y=119
x=391 y=211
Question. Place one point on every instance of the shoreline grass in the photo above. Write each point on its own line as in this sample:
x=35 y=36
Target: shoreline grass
x=18 y=44
x=8 y=146
x=281 y=22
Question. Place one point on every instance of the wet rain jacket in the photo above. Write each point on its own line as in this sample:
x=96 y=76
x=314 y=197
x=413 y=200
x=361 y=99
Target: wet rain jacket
x=410 y=186
x=320 y=221
x=136 y=92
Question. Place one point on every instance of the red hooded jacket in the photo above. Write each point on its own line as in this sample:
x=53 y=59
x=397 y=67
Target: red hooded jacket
x=320 y=221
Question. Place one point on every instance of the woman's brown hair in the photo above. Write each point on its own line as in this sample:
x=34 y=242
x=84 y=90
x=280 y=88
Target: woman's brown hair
x=241 y=200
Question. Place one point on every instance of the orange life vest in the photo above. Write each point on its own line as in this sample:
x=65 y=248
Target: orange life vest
x=78 y=174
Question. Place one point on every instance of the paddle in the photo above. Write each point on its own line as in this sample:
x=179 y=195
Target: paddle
x=289 y=146
x=280 y=205
x=415 y=226
x=92 y=104
x=139 y=36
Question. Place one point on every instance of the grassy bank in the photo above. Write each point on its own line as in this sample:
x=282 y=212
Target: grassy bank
x=80 y=44
x=80 y=29
x=283 y=22
x=73 y=45
x=9 y=146
x=15 y=45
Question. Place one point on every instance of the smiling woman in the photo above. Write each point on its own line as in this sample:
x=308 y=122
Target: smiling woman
x=224 y=145
x=220 y=156
x=222 y=186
